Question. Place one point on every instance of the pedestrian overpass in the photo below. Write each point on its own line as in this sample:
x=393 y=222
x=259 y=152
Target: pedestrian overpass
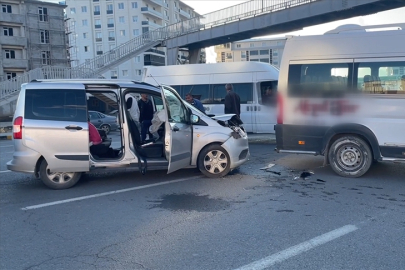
x=243 y=21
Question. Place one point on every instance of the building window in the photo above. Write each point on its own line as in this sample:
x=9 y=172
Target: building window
x=238 y=45
x=46 y=57
x=10 y=75
x=6 y=8
x=138 y=72
x=111 y=35
x=135 y=32
x=112 y=46
x=264 y=52
x=243 y=54
x=252 y=45
x=264 y=44
x=134 y=18
x=222 y=56
x=138 y=59
x=44 y=36
x=43 y=14
x=110 y=22
x=134 y=4
x=114 y=74
x=121 y=19
x=84 y=22
x=10 y=54
x=85 y=35
x=125 y=72
x=86 y=48
x=99 y=36
x=97 y=10
x=122 y=33
x=228 y=55
x=110 y=9
x=7 y=31
x=84 y=9
x=97 y=23
x=72 y=10
x=254 y=53
x=120 y=5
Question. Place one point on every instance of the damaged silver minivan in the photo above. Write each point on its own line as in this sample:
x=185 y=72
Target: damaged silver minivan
x=51 y=132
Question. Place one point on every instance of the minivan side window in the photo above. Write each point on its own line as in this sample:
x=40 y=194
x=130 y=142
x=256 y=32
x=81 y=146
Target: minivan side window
x=244 y=90
x=56 y=105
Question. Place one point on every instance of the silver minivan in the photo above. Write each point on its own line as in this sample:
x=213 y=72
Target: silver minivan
x=51 y=132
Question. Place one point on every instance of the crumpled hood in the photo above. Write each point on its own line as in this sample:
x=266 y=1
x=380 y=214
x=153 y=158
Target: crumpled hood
x=223 y=117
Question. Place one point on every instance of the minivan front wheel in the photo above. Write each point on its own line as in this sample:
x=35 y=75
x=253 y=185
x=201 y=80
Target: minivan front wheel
x=214 y=161
x=57 y=180
x=350 y=156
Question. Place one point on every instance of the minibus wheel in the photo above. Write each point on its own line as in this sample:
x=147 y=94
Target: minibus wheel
x=214 y=161
x=57 y=180
x=350 y=156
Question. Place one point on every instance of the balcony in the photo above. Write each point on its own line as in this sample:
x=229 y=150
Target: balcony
x=13 y=40
x=111 y=38
x=12 y=18
x=15 y=63
x=96 y=12
x=151 y=12
x=109 y=25
x=152 y=25
x=184 y=14
x=157 y=2
x=99 y=39
x=99 y=52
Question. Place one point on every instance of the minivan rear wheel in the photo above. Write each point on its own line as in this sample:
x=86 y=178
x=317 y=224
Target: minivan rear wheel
x=214 y=161
x=57 y=180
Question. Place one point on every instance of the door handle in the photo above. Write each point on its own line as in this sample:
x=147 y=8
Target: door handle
x=176 y=128
x=74 y=127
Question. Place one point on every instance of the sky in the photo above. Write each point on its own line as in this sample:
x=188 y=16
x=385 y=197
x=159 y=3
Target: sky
x=207 y=6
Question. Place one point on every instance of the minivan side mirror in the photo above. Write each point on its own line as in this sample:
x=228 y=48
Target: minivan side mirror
x=194 y=119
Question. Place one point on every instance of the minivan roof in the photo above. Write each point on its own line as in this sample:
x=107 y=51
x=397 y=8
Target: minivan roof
x=98 y=82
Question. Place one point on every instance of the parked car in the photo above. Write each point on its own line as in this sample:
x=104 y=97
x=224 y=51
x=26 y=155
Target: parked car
x=187 y=138
x=102 y=121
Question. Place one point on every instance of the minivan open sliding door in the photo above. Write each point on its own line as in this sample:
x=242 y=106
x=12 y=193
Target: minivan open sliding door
x=178 y=138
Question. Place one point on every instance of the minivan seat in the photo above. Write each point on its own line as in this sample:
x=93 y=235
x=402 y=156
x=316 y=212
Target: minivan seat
x=149 y=149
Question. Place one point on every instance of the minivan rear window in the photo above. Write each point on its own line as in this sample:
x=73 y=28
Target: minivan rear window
x=56 y=104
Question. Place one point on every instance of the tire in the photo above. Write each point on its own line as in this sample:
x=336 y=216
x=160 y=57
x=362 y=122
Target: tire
x=57 y=180
x=106 y=128
x=350 y=156
x=214 y=161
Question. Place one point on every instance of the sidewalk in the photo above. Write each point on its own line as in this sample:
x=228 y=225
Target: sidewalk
x=6 y=130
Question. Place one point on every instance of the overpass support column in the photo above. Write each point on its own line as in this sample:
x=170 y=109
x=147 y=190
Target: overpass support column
x=194 y=56
x=172 y=55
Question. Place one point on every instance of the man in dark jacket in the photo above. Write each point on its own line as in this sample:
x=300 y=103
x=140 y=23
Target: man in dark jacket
x=145 y=115
x=195 y=102
x=232 y=104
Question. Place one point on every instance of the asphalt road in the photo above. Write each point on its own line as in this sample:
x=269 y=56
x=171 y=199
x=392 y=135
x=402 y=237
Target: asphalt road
x=255 y=218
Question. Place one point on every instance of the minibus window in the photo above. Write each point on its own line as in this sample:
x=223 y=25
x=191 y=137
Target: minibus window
x=198 y=91
x=322 y=80
x=244 y=90
x=381 y=77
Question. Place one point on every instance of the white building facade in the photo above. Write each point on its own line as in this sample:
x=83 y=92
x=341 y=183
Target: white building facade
x=97 y=26
x=262 y=50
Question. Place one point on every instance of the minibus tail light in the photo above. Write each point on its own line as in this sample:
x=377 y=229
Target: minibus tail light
x=17 y=128
x=280 y=109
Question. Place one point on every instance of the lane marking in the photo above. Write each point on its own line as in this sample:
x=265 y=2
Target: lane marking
x=106 y=193
x=298 y=249
x=5 y=171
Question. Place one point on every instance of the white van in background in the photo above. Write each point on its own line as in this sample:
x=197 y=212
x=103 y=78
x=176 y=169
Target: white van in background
x=342 y=95
x=206 y=82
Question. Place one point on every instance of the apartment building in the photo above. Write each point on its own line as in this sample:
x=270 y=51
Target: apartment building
x=269 y=50
x=98 y=26
x=32 y=35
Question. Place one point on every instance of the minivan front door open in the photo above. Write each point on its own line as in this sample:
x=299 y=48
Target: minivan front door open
x=178 y=138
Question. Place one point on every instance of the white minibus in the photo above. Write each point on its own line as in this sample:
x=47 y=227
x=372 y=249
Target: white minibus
x=206 y=82
x=342 y=95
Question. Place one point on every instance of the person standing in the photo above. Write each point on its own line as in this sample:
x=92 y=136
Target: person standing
x=232 y=104
x=195 y=102
x=146 y=114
